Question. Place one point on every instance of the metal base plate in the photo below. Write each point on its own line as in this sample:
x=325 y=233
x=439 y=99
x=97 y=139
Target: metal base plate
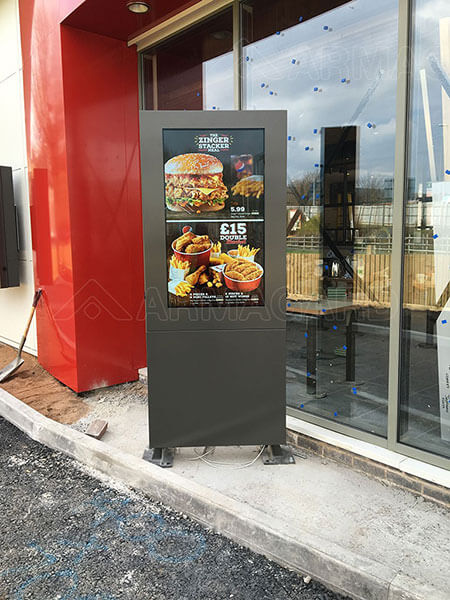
x=163 y=457
x=277 y=455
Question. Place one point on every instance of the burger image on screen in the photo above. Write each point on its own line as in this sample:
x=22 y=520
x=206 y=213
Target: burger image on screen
x=194 y=183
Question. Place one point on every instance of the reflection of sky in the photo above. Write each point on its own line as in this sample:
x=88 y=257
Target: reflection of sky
x=360 y=45
x=218 y=82
x=428 y=44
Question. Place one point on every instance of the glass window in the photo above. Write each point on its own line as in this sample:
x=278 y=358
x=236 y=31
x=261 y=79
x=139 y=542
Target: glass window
x=332 y=66
x=192 y=71
x=425 y=381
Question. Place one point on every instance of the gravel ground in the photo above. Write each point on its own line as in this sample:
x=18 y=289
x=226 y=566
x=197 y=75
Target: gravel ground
x=68 y=535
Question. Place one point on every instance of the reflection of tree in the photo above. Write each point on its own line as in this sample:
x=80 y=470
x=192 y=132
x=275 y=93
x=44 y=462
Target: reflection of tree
x=306 y=186
x=300 y=193
x=371 y=189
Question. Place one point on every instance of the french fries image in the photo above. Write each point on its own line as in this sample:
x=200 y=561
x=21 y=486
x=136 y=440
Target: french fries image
x=216 y=248
x=183 y=289
x=246 y=251
x=249 y=186
x=179 y=264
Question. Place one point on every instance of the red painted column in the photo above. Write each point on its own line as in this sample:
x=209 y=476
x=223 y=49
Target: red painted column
x=100 y=78
x=81 y=104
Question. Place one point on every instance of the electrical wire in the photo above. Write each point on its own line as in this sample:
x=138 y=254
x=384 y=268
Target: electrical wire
x=205 y=453
x=231 y=466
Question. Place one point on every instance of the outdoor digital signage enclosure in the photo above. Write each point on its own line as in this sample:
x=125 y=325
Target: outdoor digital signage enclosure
x=9 y=252
x=214 y=197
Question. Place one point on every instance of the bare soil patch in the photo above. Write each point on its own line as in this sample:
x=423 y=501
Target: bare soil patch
x=36 y=387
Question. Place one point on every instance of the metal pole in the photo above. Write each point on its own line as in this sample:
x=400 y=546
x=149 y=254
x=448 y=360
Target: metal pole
x=400 y=194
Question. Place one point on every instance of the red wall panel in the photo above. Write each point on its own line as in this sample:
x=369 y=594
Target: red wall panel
x=81 y=104
x=101 y=105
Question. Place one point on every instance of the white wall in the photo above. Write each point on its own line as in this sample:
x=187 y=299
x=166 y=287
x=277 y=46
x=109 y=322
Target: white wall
x=15 y=303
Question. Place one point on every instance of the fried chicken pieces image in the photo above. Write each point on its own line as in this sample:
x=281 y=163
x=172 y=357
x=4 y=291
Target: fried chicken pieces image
x=193 y=278
x=191 y=243
x=243 y=270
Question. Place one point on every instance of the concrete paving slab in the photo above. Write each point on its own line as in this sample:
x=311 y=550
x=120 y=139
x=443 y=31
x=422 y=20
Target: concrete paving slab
x=352 y=533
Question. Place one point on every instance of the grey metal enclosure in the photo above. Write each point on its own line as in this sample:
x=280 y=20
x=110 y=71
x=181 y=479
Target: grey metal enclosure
x=214 y=197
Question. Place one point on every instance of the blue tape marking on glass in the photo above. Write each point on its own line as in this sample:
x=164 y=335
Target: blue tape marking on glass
x=300 y=19
x=325 y=27
x=214 y=108
x=314 y=130
x=304 y=196
x=369 y=125
x=271 y=93
x=302 y=405
x=343 y=80
x=335 y=414
x=344 y=347
x=317 y=195
x=326 y=267
x=289 y=137
x=263 y=85
x=308 y=374
x=444 y=321
x=278 y=32
x=335 y=327
x=306 y=147
x=293 y=61
x=198 y=93
x=247 y=58
x=306 y=335
x=315 y=89
x=447 y=171
x=354 y=390
x=316 y=164
x=324 y=310
x=289 y=303
x=435 y=236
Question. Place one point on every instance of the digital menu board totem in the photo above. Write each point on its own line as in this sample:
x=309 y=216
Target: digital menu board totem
x=214 y=225
x=214 y=216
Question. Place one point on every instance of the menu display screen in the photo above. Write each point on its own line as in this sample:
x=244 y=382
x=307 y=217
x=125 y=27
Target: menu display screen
x=214 y=208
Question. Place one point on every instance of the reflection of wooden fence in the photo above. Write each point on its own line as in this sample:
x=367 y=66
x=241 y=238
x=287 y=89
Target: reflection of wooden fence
x=303 y=275
x=372 y=286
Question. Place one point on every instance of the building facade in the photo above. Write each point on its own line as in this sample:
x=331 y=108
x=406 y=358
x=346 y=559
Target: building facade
x=367 y=90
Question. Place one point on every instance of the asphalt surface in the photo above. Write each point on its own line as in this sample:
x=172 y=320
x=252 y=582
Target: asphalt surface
x=66 y=535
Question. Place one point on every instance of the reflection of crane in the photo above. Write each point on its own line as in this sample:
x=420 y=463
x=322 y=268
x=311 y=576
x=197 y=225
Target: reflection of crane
x=440 y=73
x=365 y=99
